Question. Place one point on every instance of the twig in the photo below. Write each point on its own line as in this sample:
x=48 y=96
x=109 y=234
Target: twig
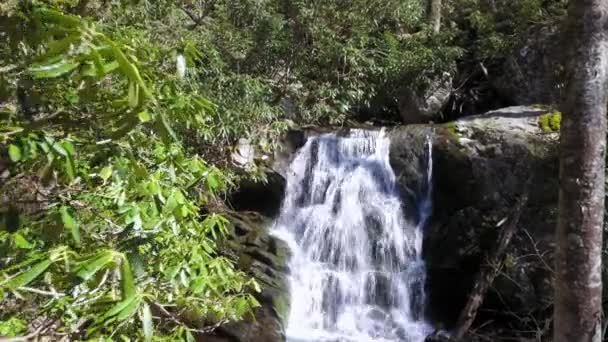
x=198 y=20
x=41 y=292
x=488 y=272
x=538 y=253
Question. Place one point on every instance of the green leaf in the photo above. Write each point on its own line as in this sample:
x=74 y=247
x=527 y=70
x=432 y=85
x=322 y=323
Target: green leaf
x=53 y=70
x=59 y=47
x=21 y=242
x=98 y=62
x=70 y=224
x=127 y=281
x=87 y=268
x=144 y=116
x=59 y=149
x=70 y=169
x=29 y=275
x=147 y=323
x=14 y=152
x=130 y=309
x=119 y=307
x=198 y=285
x=167 y=127
x=68 y=147
x=133 y=94
x=53 y=16
x=212 y=182
x=12 y=327
x=129 y=68
x=109 y=67
x=106 y=173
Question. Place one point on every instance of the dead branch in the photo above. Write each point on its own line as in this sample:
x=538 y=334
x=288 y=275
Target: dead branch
x=198 y=19
x=488 y=271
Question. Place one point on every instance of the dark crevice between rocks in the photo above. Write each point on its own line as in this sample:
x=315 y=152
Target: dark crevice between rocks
x=262 y=197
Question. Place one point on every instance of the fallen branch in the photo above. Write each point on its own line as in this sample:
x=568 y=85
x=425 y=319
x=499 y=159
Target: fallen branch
x=197 y=20
x=41 y=292
x=488 y=272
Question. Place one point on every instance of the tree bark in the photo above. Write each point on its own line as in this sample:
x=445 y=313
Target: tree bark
x=434 y=14
x=578 y=283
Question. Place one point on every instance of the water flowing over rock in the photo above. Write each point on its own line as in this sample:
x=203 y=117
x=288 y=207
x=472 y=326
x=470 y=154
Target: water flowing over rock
x=481 y=165
x=353 y=214
x=356 y=273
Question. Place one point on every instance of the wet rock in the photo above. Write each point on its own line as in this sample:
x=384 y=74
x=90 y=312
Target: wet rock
x=265 y=258
x=244 y=154
x=481 y=165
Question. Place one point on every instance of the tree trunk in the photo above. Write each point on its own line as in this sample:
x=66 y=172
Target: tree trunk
x=578 y=283
x=434 y=14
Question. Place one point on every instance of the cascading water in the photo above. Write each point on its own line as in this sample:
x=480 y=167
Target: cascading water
x=356 y=273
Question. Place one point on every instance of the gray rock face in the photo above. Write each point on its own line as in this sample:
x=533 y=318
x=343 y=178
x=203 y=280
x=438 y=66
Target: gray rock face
x=530 y=75
x=481 y=166
x=264 y=258
x=424 y=105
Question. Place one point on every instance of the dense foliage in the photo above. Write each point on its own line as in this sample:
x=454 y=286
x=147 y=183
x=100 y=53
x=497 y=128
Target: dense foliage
x=117 y=120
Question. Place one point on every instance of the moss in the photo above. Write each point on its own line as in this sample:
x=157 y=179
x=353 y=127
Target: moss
x=550 y=122
x=452 y=130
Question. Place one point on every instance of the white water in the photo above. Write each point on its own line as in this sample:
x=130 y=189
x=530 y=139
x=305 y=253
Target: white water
x=356 y=273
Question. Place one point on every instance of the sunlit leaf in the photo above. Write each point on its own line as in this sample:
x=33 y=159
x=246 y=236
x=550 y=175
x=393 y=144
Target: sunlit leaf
x=21 y=242
x=29 y=275
x=87 y=268
x=49 y=15
x=133 y=94
x=118 y=308
x=127 y=281
x=14 y=152
x=53 y=70
x=106 y=172
x=70 y=224
x=144 y=116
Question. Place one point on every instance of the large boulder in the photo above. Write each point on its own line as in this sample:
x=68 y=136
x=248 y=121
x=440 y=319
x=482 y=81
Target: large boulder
x=530 y=74
x=481 y=166
x=424 y=103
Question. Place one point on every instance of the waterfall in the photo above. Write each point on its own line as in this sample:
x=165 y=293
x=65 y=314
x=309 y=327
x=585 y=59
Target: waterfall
x=356 y=272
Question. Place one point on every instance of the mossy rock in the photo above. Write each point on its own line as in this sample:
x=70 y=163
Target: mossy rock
x=265 y=258
x=481 y=165
x=550 y=122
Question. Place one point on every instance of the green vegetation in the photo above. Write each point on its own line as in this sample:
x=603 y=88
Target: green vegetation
x=451 y=129
x=550 y=122
x=107 y=212
x=118 y=118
